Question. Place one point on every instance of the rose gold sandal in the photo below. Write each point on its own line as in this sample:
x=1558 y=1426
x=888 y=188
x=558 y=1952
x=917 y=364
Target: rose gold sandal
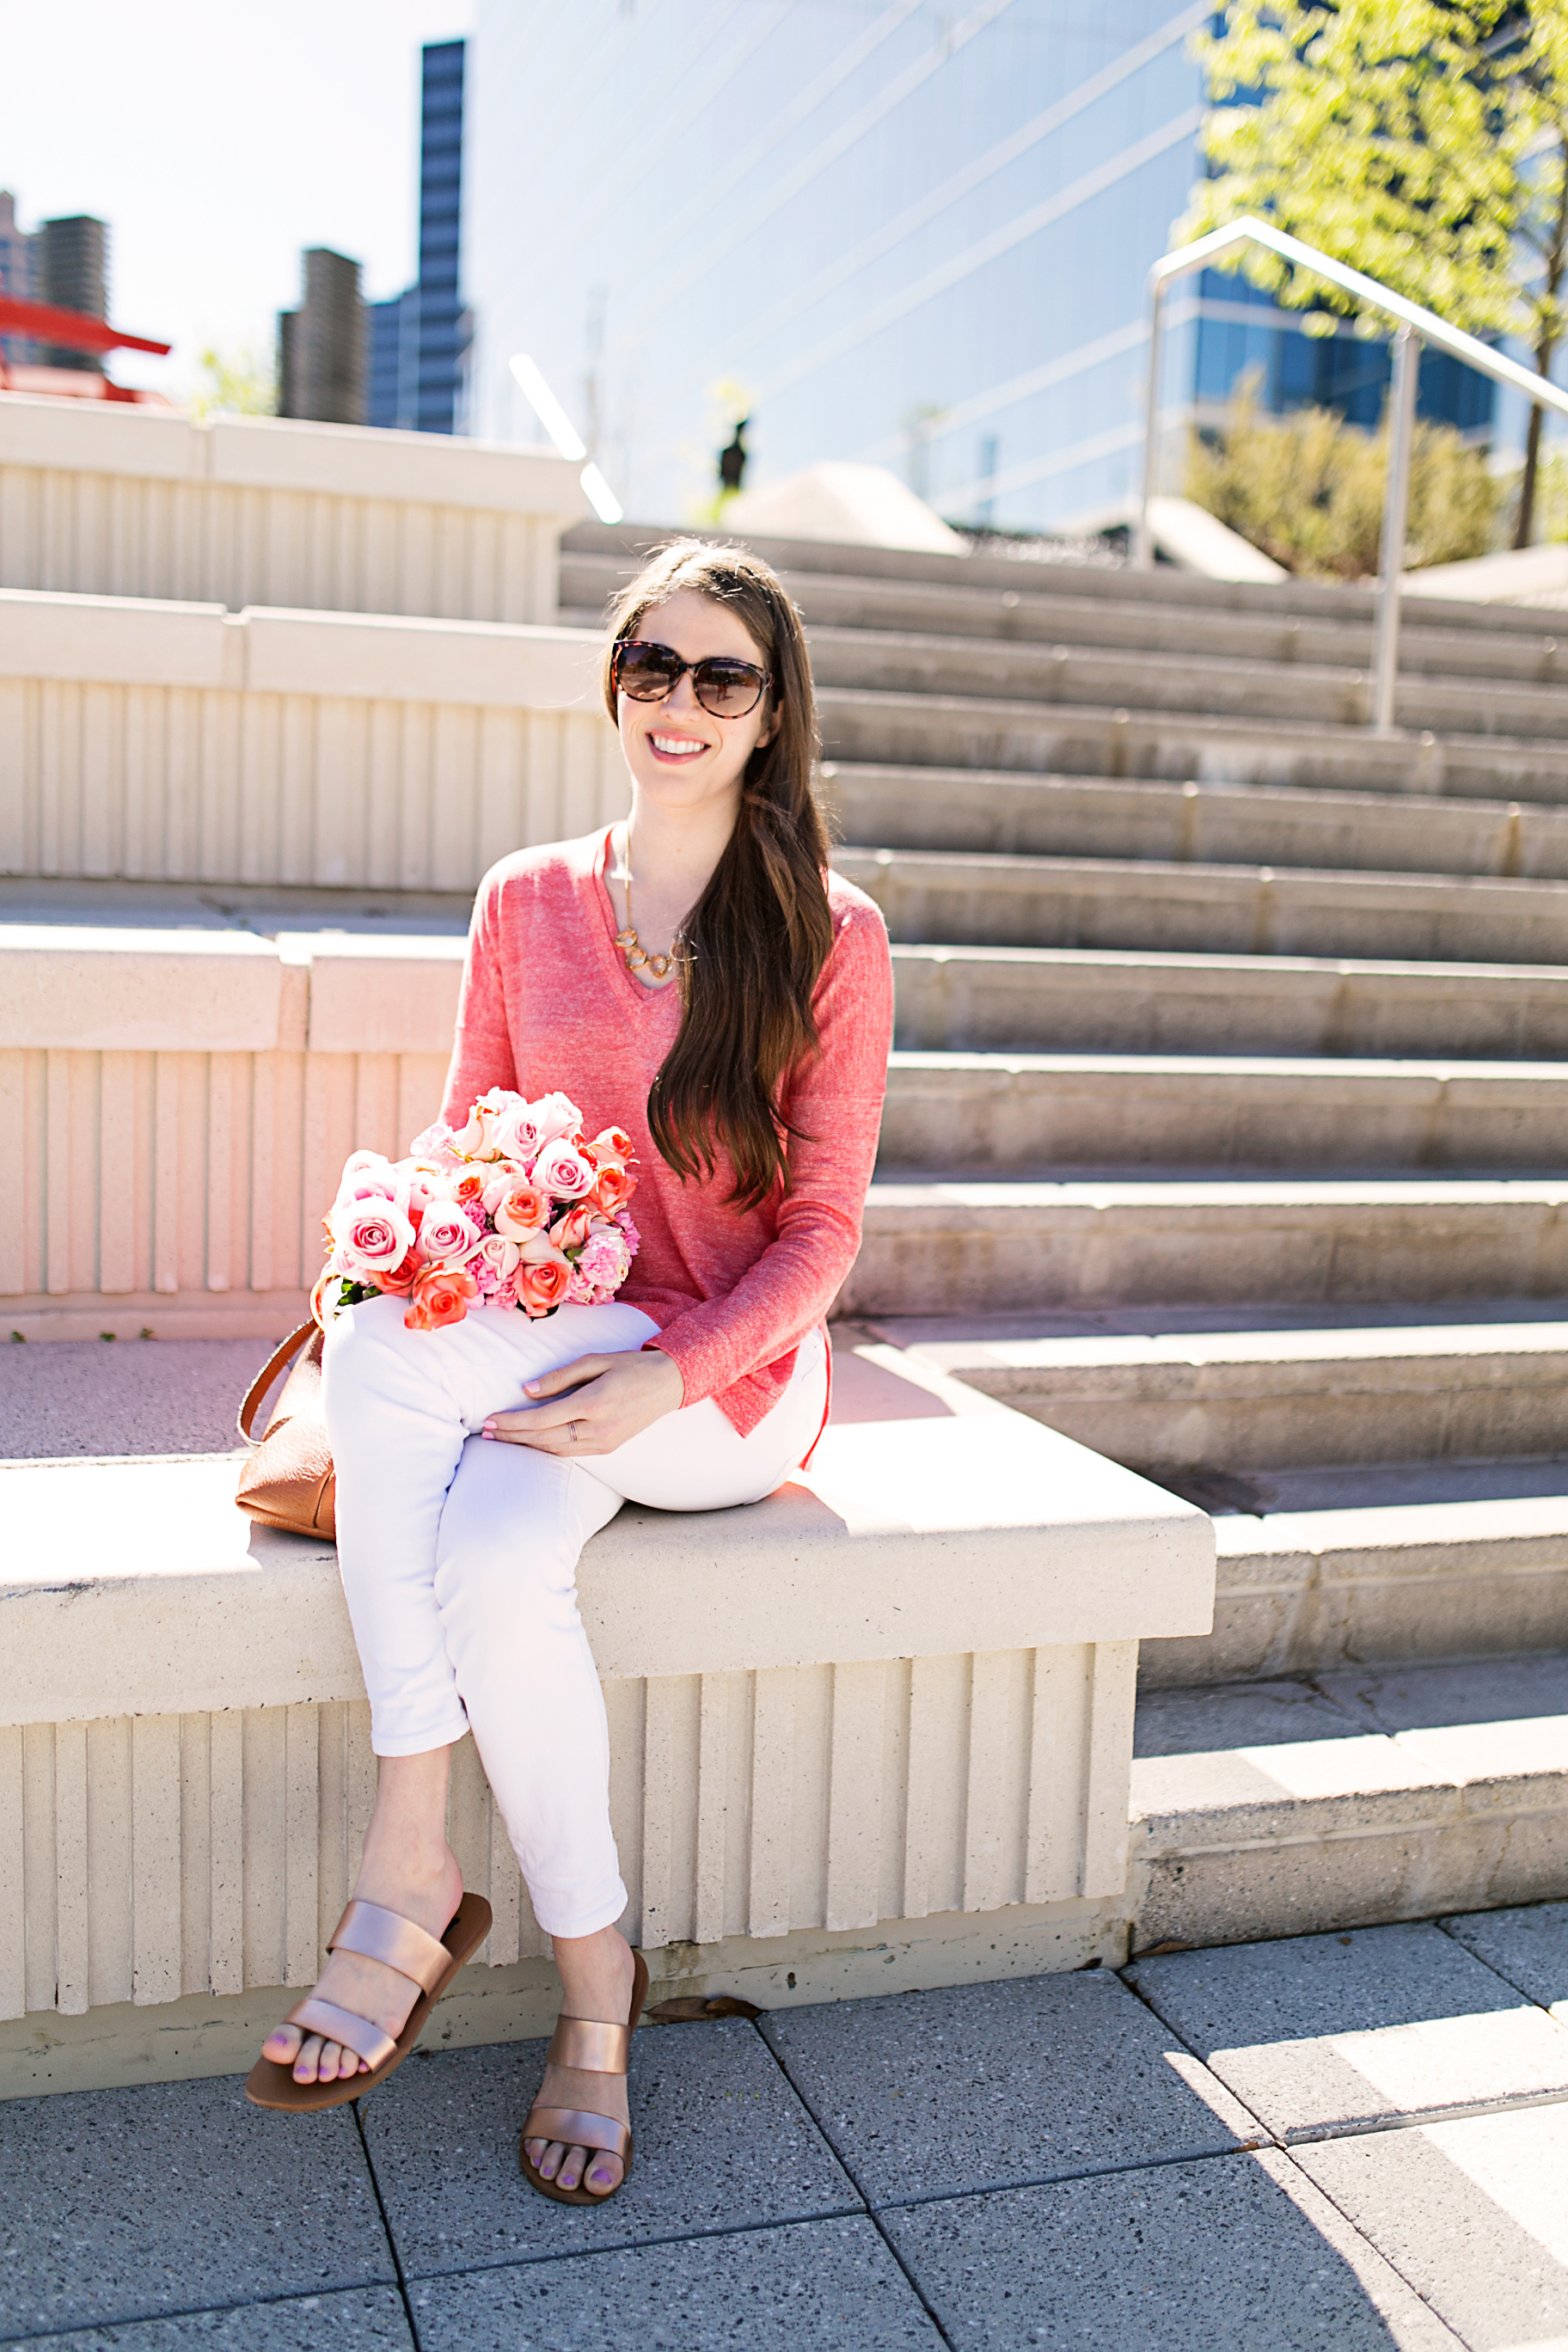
x=400 y=1944
x=599 y=2050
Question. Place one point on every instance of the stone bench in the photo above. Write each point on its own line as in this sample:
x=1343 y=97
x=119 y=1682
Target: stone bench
x=870 y=1733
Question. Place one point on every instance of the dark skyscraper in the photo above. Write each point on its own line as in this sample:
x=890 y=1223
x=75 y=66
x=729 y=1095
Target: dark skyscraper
x=73 y=272
x=322 y=345
x=419 y=338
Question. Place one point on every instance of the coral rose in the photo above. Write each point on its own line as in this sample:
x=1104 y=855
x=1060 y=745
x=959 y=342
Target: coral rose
x=570 y=1232
x=441 y=1296
x=541 y=1287
x=613 y=1187
x=612 y=1143
x=521 y=1211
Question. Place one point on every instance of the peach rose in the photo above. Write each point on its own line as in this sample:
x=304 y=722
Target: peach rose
x=399 y=1280
x=521 y=1211
x=468 y=1192
x=541 y=1249
x=542 y=1288
x=441 y=1296
x=555 y=1115
x=613 y=1187
x=612 y=1143
x=570 y=1232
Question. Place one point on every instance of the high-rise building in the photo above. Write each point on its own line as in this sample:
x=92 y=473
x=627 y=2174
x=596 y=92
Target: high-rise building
x=419 y=338
x=18 y=269
x=915 y=235
x=71 y=271
x=322 y=346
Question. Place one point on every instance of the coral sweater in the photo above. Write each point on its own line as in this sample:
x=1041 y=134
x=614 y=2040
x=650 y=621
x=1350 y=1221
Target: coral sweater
x=547 y=1001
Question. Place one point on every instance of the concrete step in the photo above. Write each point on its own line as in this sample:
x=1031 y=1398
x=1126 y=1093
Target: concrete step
x=1169 y=1403
x=951 y=730
x=1043 y=569
x=955 y=1248
x=1222 y=685
x=1361 y=1796
x=960 y=809
x=999 y=1114
x=989 y=1000
x=941 y=898
x=1396 y=1584
x=1027 y=610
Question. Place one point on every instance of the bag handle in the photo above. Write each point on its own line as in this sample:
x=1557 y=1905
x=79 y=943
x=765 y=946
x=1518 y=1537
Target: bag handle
x=265 y=1378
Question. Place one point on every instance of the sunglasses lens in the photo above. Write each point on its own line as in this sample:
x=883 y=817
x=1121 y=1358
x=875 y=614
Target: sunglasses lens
x=728 y=689
x=646 y=672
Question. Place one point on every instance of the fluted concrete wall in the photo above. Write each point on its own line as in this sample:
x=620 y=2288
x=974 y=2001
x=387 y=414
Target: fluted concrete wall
x=175 y=1108
x=147 y=1856
x=174 y=742
x=256 y=510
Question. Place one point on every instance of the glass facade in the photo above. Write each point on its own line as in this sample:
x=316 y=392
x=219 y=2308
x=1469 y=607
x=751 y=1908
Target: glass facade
x=908 y=234
x=418 y=339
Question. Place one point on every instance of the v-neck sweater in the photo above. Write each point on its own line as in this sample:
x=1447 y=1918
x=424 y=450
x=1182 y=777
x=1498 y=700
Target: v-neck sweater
x=547 y=1004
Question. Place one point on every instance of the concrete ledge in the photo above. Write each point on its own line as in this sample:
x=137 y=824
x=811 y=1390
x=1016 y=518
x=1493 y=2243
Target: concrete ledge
x=167 y=1590
x=902 y=1689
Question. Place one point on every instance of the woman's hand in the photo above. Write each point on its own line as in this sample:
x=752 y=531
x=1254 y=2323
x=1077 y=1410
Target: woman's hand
x=612 y=1399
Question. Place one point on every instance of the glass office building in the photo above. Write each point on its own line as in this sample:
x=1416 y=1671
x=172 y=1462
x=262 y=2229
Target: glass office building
x=909 y=234
x=418 y=339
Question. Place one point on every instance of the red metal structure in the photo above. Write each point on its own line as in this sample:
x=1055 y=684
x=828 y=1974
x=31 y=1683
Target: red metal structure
x=43 y=322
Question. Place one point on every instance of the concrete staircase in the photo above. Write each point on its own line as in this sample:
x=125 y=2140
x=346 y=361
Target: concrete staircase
x=1226 y=1133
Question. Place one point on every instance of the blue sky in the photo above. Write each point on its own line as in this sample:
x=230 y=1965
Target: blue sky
x=219 y=140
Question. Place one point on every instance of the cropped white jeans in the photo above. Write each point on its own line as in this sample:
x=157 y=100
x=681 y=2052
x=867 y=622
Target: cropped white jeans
x=459 y=1557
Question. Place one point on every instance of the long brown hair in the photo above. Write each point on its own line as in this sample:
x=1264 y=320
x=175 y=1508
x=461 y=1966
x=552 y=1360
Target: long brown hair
x=751 y=950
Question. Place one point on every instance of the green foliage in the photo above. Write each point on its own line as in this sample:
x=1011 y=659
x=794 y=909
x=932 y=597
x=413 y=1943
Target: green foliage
x=1423 y=141
x=1308 y=489
x=234 y=383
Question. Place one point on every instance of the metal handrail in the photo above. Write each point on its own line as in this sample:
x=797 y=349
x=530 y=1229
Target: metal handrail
x=1415 y=326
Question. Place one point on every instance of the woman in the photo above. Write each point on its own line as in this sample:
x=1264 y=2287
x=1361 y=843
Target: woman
x=696 y=975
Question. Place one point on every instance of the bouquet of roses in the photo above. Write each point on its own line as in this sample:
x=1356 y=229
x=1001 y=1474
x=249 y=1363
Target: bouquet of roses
x=514 y=1209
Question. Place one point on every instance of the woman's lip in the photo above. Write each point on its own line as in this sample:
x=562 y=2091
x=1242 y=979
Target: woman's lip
x=691 y=744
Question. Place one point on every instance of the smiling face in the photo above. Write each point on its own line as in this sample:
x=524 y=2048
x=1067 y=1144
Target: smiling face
x=680 y=755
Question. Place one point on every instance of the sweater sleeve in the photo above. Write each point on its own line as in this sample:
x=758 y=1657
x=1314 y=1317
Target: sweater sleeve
x=481 y=1044
x=836 y=1105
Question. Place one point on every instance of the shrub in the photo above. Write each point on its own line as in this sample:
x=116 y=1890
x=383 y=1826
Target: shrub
x=1308 y=489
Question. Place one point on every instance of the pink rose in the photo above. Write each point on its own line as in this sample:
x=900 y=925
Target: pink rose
x=553 y=1116
x=563 y=1171
x=494 y=1263
x=542 y=1249
x=447 y=1234
x=441 y=1296
x=543 y=1287
x=468 y=1190
x=369 y=1237
x=521 y=1211
x=605 y=1261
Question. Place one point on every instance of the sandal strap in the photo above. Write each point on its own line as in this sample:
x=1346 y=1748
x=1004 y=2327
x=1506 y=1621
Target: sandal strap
x=583 y=2042
x=572 y=2128
x=398 y=1942
x=334 y=2024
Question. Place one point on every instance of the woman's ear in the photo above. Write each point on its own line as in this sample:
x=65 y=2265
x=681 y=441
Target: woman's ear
x=771 y=730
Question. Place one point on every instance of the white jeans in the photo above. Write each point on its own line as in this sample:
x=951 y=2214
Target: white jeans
x=459 y=1557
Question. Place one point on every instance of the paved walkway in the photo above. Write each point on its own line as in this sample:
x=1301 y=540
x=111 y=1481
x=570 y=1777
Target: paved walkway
x=1341 y=2141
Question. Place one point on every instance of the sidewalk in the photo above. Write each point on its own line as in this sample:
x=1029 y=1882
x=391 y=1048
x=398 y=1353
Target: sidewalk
x=1339 y=2141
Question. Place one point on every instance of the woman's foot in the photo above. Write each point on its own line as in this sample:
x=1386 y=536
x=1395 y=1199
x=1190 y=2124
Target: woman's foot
x=407 y=1867
x=429 y=1893
x=596 y=1974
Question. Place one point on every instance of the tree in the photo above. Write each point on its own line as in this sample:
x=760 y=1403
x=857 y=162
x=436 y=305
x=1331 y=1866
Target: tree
x=1424 y=141
x=1308 y=489
x=234 y=383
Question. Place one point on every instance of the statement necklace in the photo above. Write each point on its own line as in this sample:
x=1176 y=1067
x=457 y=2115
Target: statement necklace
x=631 y=947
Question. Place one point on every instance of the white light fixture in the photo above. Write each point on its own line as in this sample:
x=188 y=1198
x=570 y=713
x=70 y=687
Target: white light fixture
x=570 y=442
